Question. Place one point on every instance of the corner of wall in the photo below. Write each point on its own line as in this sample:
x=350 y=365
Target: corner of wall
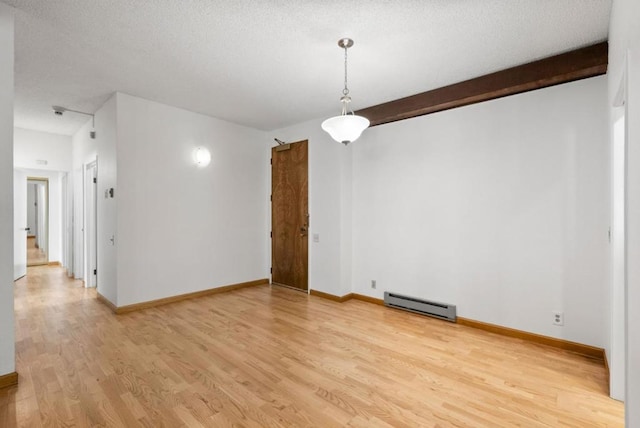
x=106 y=142
x=7 y=333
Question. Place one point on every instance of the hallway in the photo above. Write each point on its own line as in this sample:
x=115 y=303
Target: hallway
x=265 y=356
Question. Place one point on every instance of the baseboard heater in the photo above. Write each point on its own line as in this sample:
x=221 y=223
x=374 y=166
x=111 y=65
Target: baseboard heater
x=420 y=306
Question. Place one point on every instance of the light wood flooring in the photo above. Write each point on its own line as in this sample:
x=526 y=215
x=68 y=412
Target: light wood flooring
x=264 y=356
x=35 y=256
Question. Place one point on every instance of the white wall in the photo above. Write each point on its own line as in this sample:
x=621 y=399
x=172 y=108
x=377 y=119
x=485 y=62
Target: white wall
x=106 y=137
x=33 y=146
x=181 y=228
x=499 y=208
x=502 y=202
x=329 y=206
x=83 y=147
x=624 y=51
x=7 y=335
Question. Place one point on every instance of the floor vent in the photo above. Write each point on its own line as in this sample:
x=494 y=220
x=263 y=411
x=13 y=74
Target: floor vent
x=419 y=306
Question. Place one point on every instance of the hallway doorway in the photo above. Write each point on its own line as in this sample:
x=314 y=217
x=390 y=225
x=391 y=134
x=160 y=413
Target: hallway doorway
x=37 y=221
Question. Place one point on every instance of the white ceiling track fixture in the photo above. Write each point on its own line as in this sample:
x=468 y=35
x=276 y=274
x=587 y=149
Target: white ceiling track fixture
x=59 y=111
x=347 y=127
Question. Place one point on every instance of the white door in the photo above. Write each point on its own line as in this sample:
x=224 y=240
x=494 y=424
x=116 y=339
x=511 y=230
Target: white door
x=78 y=224
x=90 y=225
x=20 y=224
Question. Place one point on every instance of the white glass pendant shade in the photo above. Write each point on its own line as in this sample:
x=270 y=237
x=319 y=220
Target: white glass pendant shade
x=345 y=128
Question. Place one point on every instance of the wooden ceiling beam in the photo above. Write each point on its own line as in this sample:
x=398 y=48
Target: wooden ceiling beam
x=578 y=64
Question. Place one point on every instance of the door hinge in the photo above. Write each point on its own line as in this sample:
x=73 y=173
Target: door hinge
x=95 y=271
x=270 y=270
x=271 y=234
x=271 y=198
x=271 y=161
x=95 y=180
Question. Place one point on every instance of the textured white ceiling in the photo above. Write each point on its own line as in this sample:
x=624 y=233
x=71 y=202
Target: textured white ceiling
x=268 y=64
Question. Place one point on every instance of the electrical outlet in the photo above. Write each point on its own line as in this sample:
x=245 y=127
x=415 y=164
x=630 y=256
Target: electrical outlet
x=373 y=283
x=558 y=318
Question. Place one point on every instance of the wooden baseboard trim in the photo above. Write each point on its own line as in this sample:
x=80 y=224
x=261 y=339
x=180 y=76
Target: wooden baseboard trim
x=107 y=303
x=173 y=299
x=567 y=345
x=277 y=284
x=347 y=297
x=578 y=348
x=368 y=299
x=607 y=371
x=55 y=263
x=333 y=297
x=10 y=379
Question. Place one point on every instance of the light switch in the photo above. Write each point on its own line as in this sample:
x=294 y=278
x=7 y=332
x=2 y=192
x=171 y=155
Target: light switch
x=316 y=237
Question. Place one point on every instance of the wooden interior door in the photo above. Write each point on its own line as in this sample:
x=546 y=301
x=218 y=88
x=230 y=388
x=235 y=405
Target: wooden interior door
x=290 y=215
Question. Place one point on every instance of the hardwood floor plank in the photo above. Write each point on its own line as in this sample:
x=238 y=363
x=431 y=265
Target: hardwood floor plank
x=27 y=414
x=263 y=356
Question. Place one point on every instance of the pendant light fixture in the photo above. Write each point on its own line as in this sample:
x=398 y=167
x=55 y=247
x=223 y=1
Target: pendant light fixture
x=347 y=127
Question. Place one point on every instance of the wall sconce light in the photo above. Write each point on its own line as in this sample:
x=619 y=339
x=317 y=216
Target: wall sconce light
x=201 y=156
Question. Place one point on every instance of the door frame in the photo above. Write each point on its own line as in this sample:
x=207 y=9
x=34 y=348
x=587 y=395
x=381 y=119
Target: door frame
x=45 y=180
x=90 y=223
x=618 y=241
x=275 y=149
